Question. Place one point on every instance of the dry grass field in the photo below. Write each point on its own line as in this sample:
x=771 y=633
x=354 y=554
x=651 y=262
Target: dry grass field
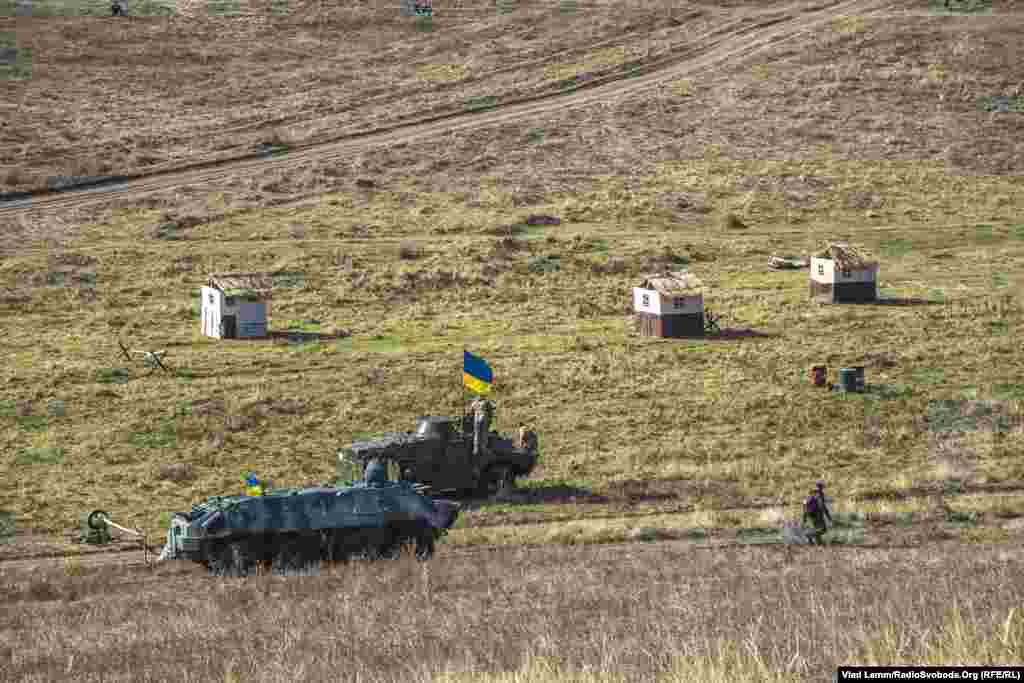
x=658 y=612
x=881 y=125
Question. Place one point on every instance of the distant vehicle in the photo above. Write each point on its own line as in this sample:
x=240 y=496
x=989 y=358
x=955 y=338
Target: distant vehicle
x=438 y=457
x=297 y=529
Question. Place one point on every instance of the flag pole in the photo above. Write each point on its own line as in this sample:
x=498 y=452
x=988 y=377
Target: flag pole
x=462 y=401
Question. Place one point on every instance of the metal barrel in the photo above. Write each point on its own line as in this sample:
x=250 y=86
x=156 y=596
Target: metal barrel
x=858 y=371
x=847 y=379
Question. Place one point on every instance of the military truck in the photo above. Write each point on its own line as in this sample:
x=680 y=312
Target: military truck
x=438 y=457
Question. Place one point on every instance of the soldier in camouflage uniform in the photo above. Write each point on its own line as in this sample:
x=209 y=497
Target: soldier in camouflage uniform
x=483 y=413
x=816 y=509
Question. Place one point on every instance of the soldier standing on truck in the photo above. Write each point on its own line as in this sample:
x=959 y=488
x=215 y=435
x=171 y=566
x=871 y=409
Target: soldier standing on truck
x=483 y=413
x=816 y=509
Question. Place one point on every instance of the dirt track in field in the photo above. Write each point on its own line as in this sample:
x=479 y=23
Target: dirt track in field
x=731 y=43
x=40 y=550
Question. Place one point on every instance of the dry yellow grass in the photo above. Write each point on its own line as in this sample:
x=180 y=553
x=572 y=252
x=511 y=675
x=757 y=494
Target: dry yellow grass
x=868 y=131
x=649 y=612
x=721 y=421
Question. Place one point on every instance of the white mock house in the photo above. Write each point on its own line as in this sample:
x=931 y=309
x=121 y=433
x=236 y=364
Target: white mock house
x=236 y=305
x=670 y=305
x=841 y=273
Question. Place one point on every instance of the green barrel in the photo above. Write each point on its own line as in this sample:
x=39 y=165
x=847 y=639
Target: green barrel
x=858 y=372
x=847 y=379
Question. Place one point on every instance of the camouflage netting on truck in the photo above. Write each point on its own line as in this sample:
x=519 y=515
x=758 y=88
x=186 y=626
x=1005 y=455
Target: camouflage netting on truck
x=444 y=455
x=386 y=446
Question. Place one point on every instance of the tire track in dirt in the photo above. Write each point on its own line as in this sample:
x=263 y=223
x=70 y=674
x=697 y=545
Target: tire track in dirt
x=732 y=44
x=131 y=554
x=912 y=494
x=125 y=560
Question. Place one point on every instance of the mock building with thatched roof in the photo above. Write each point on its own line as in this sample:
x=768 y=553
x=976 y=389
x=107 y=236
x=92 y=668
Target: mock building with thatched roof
x=841 y=273
x=670 y=304
x=236 y=305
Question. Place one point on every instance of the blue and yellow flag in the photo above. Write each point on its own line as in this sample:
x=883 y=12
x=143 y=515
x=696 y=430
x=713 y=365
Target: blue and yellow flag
x=476 y=373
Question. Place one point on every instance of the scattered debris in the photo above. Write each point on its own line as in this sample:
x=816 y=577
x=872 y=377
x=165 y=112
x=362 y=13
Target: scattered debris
x=1001 y=104
x=542 y=219
x=794 y=534
x=151 y=359
x=787 y=262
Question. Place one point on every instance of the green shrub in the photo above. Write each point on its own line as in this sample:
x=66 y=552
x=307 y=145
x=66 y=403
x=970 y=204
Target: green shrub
x=39 y=456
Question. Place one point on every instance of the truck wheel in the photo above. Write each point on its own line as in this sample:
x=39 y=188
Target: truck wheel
x=498 y=482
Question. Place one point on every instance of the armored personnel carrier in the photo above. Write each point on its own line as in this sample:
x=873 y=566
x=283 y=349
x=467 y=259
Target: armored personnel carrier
x=297 y=529
x=438 y=457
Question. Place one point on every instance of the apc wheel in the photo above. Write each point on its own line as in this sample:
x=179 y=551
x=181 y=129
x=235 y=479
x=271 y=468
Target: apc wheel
x=240 y=558
x=425 y=545
x=296 y=555
x=218 y=560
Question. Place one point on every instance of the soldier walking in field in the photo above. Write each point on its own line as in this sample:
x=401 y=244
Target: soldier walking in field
x=816 y=509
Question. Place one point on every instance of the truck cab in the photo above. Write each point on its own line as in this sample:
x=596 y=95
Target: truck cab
x=438 y=454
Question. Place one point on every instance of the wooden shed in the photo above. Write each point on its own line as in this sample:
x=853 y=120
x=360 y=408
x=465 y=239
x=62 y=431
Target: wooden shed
x=236 y=305
x=841 y=273
x=670 y=305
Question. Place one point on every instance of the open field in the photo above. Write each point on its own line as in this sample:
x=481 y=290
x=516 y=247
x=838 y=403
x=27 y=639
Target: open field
x=738 y=133
x=626 y=613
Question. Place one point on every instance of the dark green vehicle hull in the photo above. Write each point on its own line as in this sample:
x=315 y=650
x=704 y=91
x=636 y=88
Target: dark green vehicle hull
x=299 y=529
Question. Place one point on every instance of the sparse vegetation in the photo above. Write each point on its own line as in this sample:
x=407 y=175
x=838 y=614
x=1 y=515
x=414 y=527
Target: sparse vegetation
x=662 y=460
x=39 y=456
x=542 y=617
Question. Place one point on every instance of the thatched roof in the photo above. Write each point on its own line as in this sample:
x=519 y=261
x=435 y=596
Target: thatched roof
x=847 y=256
x=237 y=283
x=673 y=283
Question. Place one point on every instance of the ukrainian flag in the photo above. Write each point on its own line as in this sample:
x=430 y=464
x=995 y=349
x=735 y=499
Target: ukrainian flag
x=476 y=373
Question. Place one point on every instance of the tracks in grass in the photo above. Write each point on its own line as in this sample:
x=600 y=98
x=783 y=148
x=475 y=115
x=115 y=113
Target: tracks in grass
x=730 y=43
x=131 y=555
x=681 y=508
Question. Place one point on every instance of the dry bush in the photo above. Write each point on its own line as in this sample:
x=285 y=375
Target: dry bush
x=72 y=259
x=731 y=221
x=208 y=407
x=409 y=251
x=240 y=423
x=176 y=472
